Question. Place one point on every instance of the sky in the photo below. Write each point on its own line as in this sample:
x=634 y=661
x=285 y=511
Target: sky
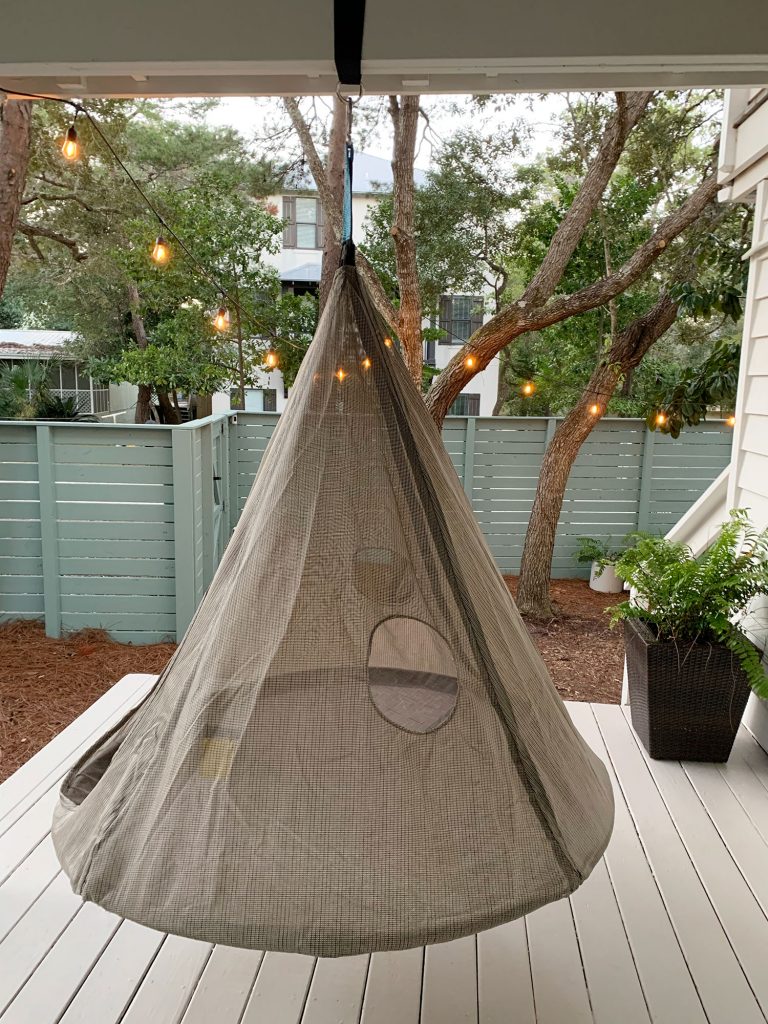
x=446 y=113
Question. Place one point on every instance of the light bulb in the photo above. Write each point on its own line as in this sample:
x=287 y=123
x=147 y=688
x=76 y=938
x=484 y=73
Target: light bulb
x=594 y=409
x=341 y=375
x=470 y=362
x=161 y=252
x=71 y=147
x=366 y=364
x=271 y=359
x=661 y=419
x=731 y=421
x=221 y=320
x=528 y=388
x=388 y=342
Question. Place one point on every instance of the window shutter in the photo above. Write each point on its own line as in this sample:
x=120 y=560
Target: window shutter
x=289 y=215
x=320 y=226
x=446 y=319
x=477 y=320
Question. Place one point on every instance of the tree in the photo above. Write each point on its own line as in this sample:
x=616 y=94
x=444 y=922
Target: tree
x=15 y=117
x=87 y=235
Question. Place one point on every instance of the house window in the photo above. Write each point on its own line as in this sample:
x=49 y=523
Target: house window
x=465 y=405
x=304 y=223
x=270 y=399
x=460 y=317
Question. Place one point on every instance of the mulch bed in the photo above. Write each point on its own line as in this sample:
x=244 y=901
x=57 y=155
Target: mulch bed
x=46 y=683
x=585 y=657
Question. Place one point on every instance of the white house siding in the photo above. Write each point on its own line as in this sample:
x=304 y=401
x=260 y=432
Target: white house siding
x=744 y=175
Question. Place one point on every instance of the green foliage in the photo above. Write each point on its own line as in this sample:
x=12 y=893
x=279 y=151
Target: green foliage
x=600 y=550
x=206 y=184
x=696 y=600
x=25 y=394
x=684 y=398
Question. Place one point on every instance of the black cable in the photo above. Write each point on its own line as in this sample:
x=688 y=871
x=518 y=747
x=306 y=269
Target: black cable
x=79 y=108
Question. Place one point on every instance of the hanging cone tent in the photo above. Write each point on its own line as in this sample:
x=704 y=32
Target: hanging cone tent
x=356 y=746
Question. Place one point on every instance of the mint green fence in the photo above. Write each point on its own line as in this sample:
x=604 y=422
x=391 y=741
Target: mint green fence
x=122 y=527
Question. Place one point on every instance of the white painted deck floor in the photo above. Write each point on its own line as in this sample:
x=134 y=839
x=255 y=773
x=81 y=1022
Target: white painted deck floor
x=671 y=927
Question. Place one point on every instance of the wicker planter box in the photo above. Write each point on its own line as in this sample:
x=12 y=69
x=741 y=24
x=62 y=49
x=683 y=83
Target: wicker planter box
x=686 y=702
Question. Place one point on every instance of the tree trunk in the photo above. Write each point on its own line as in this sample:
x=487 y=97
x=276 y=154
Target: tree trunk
x=533 y=597
x=169 y=412
x=503 y=388
x=405 y=119
x=144 y=399
x=334 y=170
x=15 y=125
x=369 y=275
x=143 y=404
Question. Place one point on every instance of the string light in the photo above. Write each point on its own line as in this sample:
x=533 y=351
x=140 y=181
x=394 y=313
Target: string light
x=71 y=146
x=161 y=251
x=528 y=388
x=341 y=375
x=388 y=342
x=470 y=362
x=594 y=409
x=271 y=359
x=366 y=363
x=221 y=320
x=661 y=419
x=731 y=421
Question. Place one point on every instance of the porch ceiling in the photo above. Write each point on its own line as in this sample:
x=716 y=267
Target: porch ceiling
x=237 y=47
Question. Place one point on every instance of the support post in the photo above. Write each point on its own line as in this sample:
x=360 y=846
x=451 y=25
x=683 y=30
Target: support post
x=646 y=480
x=234 y=499
x=49 y=532
x=183 y=528
x=469 y=458
x=207 y=505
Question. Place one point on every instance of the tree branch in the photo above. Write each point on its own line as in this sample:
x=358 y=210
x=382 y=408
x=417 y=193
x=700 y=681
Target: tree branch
x=513 y=321
x=32 y=231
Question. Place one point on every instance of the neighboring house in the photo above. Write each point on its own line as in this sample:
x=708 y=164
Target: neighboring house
x=743 y=173
x=66 y=377
x=299 y=262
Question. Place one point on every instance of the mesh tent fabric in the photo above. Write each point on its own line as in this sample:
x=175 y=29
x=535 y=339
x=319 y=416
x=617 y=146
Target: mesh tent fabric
x=263 y=795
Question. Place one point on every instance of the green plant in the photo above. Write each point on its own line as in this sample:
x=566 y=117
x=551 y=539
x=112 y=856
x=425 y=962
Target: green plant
x=22 y=387
x=700 y=600
x=598 y=550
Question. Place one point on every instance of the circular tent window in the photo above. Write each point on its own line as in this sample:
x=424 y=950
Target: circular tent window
x=412 y=674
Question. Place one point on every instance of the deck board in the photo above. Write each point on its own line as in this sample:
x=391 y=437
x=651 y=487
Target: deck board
x=671 y=927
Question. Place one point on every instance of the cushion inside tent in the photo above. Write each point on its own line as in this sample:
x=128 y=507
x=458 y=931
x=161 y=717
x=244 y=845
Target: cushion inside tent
x=356 y=746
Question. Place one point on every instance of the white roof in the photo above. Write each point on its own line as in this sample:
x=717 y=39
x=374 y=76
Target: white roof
x=34 y=344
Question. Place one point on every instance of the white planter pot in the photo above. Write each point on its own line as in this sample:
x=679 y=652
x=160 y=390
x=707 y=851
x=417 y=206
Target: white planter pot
x=607 y=582
x=756 y=720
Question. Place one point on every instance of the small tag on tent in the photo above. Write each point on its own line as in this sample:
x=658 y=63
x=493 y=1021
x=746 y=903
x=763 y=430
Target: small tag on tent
x=216 y=761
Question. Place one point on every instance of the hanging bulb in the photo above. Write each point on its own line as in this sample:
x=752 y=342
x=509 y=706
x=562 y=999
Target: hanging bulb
x=71 y=146
x=366 y=363
x=341 y=375
x=661 y=419
x=221 y=320
x=470 y=362
x=731 y=421
x=388 y=342
x=528 y=388
x=271 y=359
x=594 y=409
x=161 y=252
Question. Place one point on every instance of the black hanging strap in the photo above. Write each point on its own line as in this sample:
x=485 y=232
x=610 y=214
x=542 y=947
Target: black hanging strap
x=348 y=21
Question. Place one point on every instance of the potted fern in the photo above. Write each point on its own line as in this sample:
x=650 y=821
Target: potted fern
x=602 y=575
x=689 y=666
